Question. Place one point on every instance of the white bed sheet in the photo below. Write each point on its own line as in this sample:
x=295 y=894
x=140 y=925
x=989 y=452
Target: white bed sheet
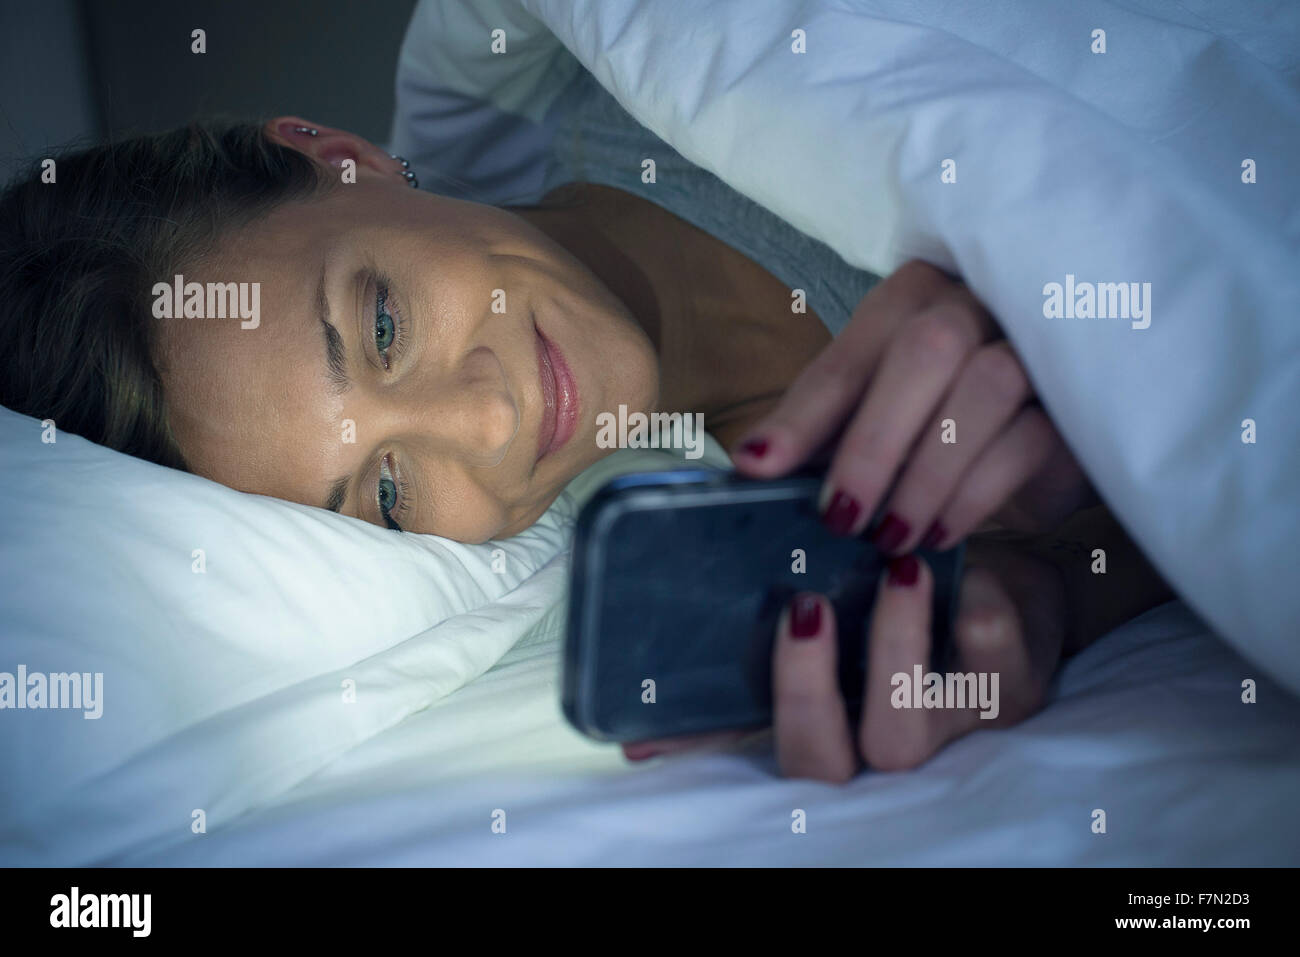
x=1148 y=724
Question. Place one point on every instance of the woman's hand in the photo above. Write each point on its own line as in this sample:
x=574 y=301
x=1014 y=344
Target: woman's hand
x=918 y=351
x=1010 y=623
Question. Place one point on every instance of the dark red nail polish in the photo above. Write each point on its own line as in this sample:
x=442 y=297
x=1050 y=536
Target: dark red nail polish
x=891 y=533
x=805 y=616
x=904 y=570
x=934 y=536
x=842 y=512
x=755 y=447
x=633 y=753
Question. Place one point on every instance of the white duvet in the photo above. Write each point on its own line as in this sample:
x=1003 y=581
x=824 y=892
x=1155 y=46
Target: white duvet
x=223 y=689
x=1116 y=181
x=1168 y=160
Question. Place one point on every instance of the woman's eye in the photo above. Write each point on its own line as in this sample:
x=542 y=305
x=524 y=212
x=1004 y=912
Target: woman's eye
x=385 y=324
x=386 y=494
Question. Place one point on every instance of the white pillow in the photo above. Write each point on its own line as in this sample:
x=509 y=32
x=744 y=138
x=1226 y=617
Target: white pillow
x=305 y=633
x=195 y=601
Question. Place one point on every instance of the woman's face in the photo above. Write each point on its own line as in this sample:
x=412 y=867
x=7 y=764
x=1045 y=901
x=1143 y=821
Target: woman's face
x=435 y=404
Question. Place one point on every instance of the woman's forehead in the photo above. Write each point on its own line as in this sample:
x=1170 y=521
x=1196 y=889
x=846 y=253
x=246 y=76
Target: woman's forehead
x=249 y=404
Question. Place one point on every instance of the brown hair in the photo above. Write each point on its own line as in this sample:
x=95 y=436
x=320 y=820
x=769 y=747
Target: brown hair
x=79 y=257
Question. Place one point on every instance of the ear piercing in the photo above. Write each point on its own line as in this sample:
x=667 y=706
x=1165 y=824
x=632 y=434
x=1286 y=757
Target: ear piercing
x=407 y=173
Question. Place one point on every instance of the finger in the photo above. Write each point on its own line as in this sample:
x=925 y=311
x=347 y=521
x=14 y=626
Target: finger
x=1004 y=465
x=820 y=399
x=811 y=726
x=1057 y=490
x=990 y=641
x=1036 y=590
x=989 y=390
x=917 y=371
x=894 y=734
x=641 y=750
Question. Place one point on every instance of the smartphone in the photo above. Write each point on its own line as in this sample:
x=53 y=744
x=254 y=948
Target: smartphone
x=677 y=580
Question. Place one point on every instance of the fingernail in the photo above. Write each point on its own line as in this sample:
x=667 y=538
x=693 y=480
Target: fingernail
x=842 y=512
x=891 y=533
x=903 y=570
x=805 y=616
x=934 y=536
x=755 y=447
x=640 y=754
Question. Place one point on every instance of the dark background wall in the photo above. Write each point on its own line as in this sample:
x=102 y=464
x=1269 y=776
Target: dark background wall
x=79 y=69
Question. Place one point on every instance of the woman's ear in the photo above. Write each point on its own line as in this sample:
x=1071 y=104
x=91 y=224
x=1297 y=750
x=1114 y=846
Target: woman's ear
x=331 y=146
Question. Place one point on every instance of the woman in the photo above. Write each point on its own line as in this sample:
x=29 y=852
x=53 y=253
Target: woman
x=436 y=365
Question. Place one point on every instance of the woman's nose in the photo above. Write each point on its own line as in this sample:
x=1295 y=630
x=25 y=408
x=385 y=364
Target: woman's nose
x=472 y=414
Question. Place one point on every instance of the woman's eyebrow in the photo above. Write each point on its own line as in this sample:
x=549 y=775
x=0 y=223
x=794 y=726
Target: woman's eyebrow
x=336 y=362
x=338 y=493
x=336 y=356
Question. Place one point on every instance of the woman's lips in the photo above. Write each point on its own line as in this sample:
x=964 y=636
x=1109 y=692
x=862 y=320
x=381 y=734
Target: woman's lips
x=560 y=397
